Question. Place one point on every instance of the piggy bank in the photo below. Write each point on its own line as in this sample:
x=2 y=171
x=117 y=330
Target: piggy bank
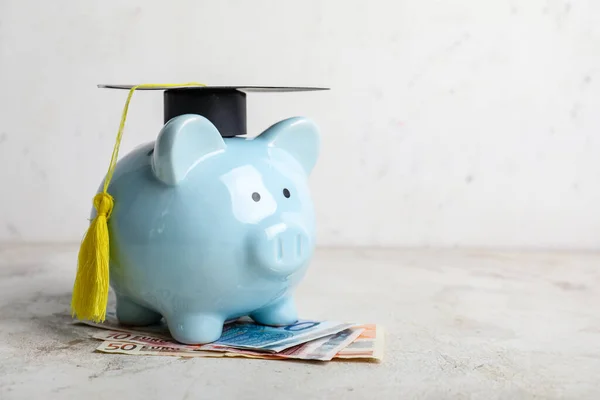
x=207 y=228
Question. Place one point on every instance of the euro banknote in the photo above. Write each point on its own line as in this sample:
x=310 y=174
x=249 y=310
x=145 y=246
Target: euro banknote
x=309 y=340
x=369 y=345
x=245 y=334
x=322 y=349
x=138 y=349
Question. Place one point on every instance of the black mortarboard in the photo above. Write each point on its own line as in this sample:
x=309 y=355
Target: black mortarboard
x=224 y=106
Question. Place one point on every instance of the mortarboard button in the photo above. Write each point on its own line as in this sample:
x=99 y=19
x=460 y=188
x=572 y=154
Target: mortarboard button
x=224 y=106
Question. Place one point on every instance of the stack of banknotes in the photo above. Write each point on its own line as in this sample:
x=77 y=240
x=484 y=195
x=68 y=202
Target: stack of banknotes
x=305 y=340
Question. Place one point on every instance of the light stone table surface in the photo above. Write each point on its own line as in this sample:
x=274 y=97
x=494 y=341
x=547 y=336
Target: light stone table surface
x=460 y=324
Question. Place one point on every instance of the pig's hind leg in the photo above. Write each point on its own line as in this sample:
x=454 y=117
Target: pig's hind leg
x=132 y=314
x=282 y=312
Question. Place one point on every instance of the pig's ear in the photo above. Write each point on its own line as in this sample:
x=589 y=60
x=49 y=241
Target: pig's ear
x=299 y=137
x=182 y=143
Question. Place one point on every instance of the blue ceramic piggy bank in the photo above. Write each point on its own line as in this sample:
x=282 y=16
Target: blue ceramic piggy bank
x=207 y=229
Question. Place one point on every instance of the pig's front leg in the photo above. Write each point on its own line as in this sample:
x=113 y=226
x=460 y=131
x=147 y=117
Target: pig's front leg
x=282 y=312
x=195 y=328
x=132 y=314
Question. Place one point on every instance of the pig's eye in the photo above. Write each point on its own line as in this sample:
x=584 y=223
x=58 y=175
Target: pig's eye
x=255 y=196
x=286 y=193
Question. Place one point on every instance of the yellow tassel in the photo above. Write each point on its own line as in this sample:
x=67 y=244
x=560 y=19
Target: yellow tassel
x=90 y=291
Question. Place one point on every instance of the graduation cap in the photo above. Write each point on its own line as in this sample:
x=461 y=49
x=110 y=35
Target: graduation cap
x=224 y=106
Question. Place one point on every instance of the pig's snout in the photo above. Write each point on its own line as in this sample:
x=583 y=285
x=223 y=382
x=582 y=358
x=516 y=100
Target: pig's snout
x=282 y=248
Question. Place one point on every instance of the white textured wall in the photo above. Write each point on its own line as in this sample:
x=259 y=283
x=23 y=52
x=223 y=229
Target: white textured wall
x=459 y=122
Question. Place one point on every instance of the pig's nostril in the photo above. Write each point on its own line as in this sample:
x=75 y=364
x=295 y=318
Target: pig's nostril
x=279 y=248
